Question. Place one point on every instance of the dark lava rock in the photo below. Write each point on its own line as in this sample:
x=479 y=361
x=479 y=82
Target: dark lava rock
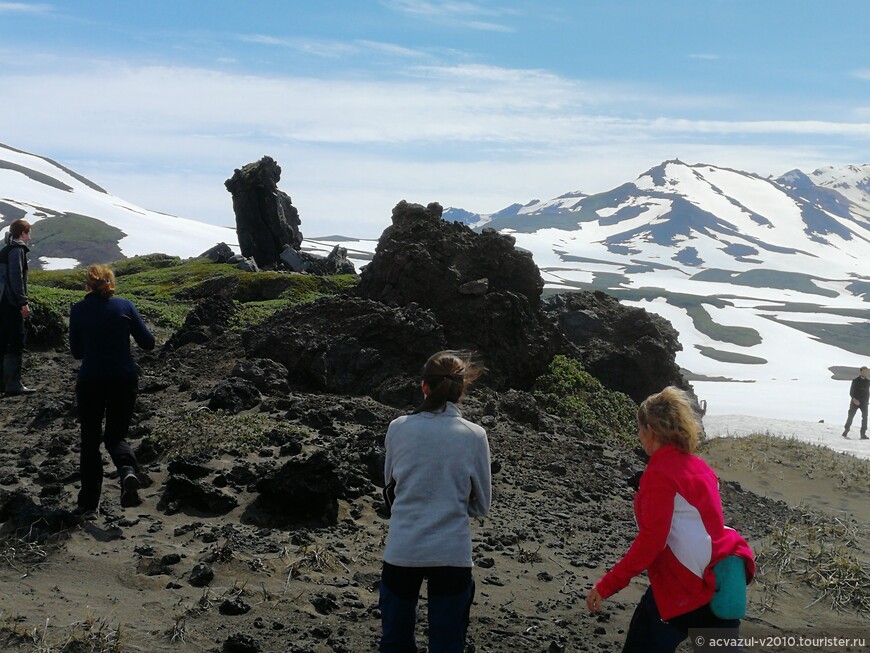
x=521 y=406
x=335 y=263
x=324 y=603
x=240 y=643
x=266 y=219
x=303 y=491
x=48 y=410
x=265 y=374
x=480 y=287
x=196 y=494
x=171 y=559
x=189 y=468
x=152 y=567
x=232 y=607
x=209 y=318
x=626 y=348
x=201 y=575
x=234 y=395
x=220 y=253
x=348 y=345
x=21 y=517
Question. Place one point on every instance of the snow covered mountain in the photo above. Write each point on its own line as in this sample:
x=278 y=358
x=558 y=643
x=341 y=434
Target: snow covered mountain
x=767 y=280
x=77 y=222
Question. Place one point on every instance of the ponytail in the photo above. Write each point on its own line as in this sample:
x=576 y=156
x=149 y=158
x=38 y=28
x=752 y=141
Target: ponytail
x=101 y=280
x=447 y=374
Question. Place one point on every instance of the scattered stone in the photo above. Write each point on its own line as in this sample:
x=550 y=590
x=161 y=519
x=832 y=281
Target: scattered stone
x=240 y=643
x=233 y=607
x=201 y=575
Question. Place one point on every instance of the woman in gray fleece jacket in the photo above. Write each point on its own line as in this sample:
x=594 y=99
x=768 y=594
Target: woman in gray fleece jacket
x=440 y=467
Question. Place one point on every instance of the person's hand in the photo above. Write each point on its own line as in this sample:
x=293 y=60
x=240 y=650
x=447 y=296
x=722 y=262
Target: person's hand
x=25 y=311
x=593 y=600
x=856 y=402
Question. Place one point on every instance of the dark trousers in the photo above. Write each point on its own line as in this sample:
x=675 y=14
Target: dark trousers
x=647 y=633
x=11 y=329
x=114 y=401
x=852 y=410
x=450 y=592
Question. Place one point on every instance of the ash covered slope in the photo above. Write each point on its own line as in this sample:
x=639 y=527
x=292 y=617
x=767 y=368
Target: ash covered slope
x=82 y=223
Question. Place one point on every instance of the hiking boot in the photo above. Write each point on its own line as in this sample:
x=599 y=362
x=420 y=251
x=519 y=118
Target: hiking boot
x=864 y=437
x=846 y=434
x=88 y=510
x=130 y=489
x=12 y=376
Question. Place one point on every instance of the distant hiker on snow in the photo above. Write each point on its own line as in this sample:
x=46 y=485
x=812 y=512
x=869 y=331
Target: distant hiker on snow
x=438 y=466
x=14 y=307
x=859 y=392
x=682 y=541
x=100 y=327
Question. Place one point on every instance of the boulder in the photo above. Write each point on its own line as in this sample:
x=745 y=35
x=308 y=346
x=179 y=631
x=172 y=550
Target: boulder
x=208 y=319
x=483 y=290
x=303 y=491
x=234 y=395
x=349 y=345
x=182 y=491
x=266 y=220
x=626 y=348
x=220 y=253
x=265 y=374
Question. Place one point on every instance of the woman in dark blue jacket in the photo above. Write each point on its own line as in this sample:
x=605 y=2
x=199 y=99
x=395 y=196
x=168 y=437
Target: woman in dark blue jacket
x=100 y=327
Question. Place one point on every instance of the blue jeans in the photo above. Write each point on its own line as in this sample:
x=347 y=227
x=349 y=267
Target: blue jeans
x=647 y=633
x=450 y=592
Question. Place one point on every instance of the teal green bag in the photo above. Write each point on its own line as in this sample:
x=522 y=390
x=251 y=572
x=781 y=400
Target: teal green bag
x=729 y=598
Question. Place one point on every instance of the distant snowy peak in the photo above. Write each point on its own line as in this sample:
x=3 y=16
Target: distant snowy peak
x=853 y=182
x=705 y=215
x=78 y=222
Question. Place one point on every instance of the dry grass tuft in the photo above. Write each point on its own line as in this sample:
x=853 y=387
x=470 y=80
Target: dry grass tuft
x=90 y=635
x=820 y=552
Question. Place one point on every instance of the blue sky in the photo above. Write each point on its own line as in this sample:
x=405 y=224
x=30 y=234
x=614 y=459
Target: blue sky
x=475 y=104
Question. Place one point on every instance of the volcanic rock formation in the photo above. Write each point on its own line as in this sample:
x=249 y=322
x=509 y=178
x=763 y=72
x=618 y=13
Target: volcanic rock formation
x=266 y=220
x=482 y=289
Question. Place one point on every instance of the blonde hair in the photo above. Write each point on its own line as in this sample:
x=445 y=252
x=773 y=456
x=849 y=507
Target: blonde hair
x=447 y=374
x=101 y=280
x=672 y=419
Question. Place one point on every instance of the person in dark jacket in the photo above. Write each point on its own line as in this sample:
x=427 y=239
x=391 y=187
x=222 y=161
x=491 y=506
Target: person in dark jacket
x=14 y=307
x=859 y=392
x=100 y=327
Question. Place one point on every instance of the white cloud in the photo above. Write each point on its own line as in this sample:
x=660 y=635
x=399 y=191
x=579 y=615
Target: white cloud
x=24 y=8
x=318 y=47
x=862 y=74
x=473 y=15
x=705 y=57
x=479 y=137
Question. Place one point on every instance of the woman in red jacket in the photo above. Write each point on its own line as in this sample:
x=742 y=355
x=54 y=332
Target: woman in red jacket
x=682 y=534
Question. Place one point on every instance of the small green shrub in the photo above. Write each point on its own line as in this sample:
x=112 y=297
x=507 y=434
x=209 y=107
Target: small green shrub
x=136 y=264
x=206 y=432
x=46 y=299
x=570 y=392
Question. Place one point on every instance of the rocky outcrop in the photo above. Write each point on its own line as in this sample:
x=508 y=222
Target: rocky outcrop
x=349 y=345
x=266 y=220
x=482 y=289
x=626 y=348
x=208 y=319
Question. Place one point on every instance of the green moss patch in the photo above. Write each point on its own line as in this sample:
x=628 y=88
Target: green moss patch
x=569 y=391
